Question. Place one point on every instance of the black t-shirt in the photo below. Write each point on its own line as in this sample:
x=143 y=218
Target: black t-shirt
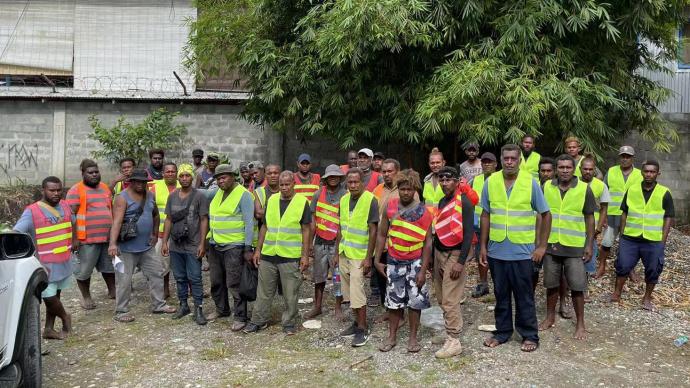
x=305 y=220
x=666 y=203
x=589 y=208
x=373 y=217
x=467 y=227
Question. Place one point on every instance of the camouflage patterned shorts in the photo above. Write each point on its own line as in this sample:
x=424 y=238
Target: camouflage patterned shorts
x=401 y=287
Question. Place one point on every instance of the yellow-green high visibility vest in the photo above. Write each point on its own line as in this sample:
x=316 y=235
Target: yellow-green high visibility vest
x=162 y=194
x=577 y=171
x=531 y=164
x=568 y=222
x=512 y=217
x=478 y=187
x=645 y=219
x=259 y=193
x=597 y=186
x=618 y=186
x=432 y=195
x=226 y=224
x=284 y=234
x=354 y=228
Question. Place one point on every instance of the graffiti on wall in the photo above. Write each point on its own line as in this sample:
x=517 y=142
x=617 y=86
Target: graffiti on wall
x=17 y=158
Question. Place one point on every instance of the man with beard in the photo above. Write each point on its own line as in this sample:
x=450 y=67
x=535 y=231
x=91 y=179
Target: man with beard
x=91 y=201
x=529 y=158
x=433 y=192
x=371 y=178
x=155 y=168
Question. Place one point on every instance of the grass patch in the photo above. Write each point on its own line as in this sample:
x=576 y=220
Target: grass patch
x=215 y=353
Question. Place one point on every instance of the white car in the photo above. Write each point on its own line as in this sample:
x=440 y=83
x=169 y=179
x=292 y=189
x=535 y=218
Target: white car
x=22 y=279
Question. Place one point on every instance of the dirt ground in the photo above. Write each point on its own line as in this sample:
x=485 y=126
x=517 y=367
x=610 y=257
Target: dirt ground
x=626 y=347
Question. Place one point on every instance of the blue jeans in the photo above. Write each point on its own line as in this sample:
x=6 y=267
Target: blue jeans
x=591 y=266
x=187 y=271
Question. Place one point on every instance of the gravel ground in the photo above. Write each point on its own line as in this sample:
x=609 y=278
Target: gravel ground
x=626 y=347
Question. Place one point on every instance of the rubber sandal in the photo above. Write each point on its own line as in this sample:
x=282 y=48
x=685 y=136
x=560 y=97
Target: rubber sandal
x=414 y=348
x=165 y=310
x=529 y=343
x=387 y=346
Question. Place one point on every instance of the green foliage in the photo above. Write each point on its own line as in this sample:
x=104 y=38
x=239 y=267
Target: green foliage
x=125 y=139
x=417 y=71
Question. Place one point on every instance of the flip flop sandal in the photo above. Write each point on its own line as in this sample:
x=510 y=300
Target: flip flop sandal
x=165 y=310
x=533 y=346
x=123 y=318
x=387 y=346
x=414 y=348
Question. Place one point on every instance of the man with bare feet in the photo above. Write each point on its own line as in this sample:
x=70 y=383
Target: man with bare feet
x=49 y=222
x=325 y=209
x=405 y=230
x=569 y=246
x=509 y=201
x=648 y=213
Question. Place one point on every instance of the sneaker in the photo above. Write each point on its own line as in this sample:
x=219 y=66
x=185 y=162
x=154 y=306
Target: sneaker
x=237 y=325
x=480 y=290
x=374 y=300
x=350 y=331
x=361 y=337
x=451 y=348
x=253 y=328
x=289 y=330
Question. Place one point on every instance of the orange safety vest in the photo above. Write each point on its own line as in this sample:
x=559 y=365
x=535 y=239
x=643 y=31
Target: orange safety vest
x=448 y=223
x=252 y=185
x=81 y=213
x=345 y=168
x=53 y=240
x=373 y=181
x=378 y=191
x=327 y=217
x=307 y=189
x=405 y=238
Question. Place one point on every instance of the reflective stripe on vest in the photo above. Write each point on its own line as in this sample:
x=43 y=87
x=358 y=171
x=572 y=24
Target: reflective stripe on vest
x=512 y=217
x=645 y=219
x=568 y=223
x=83 y=206
x=354 y=227
x=284 y=234
x=597 y=186
x=531 y=165
x=432 y=195
x=405 y=238
x=478 y=187
x=307 y=189
x=327 y=217
x=226 y=222
x=618 y=185
x=162 y=192
x=53 y=241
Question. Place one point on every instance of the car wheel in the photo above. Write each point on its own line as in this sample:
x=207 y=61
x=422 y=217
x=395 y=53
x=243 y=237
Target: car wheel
x=30 y=349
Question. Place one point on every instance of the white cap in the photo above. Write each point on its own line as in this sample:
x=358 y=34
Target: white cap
x=367 y=152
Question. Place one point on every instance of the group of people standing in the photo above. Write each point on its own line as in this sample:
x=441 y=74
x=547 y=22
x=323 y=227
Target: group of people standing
x=366 y=218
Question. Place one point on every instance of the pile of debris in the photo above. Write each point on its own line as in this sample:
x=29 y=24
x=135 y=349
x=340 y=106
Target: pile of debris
x=13 y=200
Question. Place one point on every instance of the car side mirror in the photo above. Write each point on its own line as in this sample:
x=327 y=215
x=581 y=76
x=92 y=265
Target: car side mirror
x=14 y=245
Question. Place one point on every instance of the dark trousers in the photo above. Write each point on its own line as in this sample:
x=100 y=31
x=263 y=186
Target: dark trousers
x=186 y=268
x=225 y=270
x=378 y=281
x=513 y=279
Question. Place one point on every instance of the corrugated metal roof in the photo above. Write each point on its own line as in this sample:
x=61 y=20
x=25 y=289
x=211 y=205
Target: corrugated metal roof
x=15 y=92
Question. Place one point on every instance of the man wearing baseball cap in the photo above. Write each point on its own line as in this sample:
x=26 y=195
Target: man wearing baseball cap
x=472 y=166
x=371 y=179
x=488 y=167
x=618 y=179
x=377 y=163
x=325 y=224
x=306 y=181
